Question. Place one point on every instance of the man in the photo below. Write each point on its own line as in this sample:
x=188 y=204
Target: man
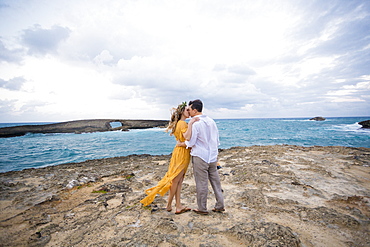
x=204 y=142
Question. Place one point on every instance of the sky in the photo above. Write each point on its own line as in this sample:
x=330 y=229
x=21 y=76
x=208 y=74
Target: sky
x=65 y=60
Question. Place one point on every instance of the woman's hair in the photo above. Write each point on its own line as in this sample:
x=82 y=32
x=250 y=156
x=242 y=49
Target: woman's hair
x=175 y=117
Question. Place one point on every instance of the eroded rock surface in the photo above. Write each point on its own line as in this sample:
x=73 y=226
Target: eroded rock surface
x=275 y=196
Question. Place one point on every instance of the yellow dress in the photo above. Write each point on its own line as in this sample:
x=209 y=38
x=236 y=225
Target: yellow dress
x=179 y=161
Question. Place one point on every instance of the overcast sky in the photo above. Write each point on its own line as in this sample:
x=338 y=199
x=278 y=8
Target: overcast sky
x=135 y=59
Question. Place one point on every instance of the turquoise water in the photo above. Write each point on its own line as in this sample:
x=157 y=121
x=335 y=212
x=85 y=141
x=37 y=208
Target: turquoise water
x=39 y=150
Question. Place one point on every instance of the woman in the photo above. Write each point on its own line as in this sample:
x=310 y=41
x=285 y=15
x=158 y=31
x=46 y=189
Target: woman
x=179 y=162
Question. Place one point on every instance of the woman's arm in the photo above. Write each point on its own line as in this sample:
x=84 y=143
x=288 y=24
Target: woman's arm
x=187 y=134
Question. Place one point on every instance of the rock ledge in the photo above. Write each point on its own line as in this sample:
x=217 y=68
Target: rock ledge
x=274 y=196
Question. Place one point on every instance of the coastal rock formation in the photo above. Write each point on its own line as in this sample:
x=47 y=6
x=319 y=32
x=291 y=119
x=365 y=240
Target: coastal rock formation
x=365 y=124
x=318 y=119
x=275 y=196
x=81 y=126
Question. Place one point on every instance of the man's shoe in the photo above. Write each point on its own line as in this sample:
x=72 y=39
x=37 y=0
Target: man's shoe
x=218 y=210
x=200 y=212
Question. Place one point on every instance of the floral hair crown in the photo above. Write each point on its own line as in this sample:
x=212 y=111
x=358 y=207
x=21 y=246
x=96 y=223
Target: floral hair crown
x=182 y=105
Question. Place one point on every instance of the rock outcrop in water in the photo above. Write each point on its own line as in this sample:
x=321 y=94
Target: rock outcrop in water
x=318 y=119
x=274 y=195
x=365 y=124
x=81 y=126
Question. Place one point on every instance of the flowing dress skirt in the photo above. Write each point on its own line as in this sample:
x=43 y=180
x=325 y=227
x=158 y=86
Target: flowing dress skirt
x=179 y=161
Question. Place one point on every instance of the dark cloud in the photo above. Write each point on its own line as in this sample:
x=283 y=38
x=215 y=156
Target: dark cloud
x=14 y=84
x=42 y=41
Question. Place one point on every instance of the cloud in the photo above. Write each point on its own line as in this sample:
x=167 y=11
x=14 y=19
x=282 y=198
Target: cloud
x=42 y=41
x=137 y=59
x=6 y=106
x=12 y=84
x=241 y=69
x=8 y=55
x=164 y=81
x=103 y=58
x=352 y=93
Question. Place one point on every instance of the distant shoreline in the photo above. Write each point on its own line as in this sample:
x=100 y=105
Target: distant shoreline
x=81 y=126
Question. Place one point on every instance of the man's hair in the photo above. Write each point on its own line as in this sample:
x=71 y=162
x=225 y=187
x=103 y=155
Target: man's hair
x=196 y=104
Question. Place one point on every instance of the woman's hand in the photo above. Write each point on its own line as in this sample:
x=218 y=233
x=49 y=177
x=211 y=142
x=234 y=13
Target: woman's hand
x=194 y=119
x=180 y=144
x=187 y=134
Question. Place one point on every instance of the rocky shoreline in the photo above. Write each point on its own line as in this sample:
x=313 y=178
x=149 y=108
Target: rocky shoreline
x=280 y=195
x=81 y=126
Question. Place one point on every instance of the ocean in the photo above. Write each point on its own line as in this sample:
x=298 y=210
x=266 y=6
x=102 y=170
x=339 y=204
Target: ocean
x=40 y=150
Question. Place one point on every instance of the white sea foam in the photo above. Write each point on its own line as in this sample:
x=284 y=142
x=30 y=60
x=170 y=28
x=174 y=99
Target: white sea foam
x=356 y=127
x=156 y=129
x=296 y=120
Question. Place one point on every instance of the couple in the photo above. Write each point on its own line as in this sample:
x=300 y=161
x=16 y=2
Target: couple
x=201 y=135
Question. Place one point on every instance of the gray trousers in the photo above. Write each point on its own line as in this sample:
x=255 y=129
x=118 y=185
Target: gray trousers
x=203 y=172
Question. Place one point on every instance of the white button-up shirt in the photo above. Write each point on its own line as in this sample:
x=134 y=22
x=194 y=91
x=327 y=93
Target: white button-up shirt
x=204 y=139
